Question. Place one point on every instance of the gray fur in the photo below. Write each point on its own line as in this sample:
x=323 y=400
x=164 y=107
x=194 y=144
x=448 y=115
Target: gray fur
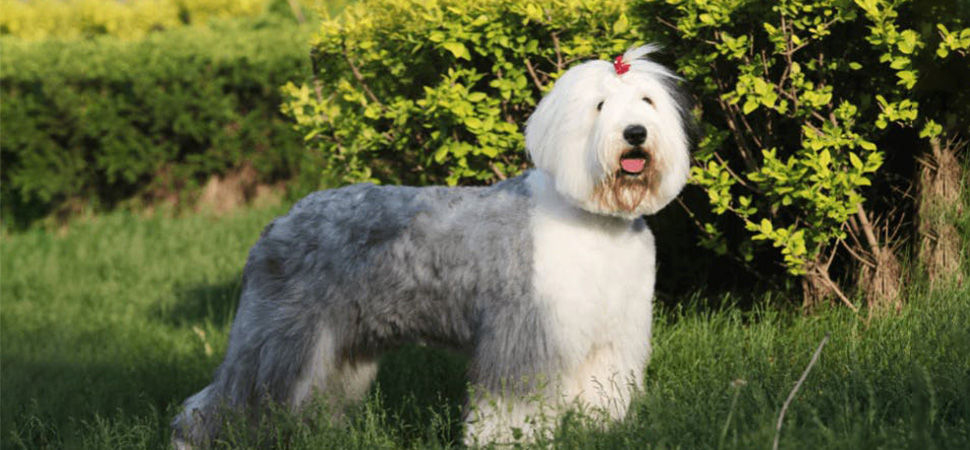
x=367 y=268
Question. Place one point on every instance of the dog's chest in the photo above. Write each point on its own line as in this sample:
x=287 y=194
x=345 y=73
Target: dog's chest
x=594 y=277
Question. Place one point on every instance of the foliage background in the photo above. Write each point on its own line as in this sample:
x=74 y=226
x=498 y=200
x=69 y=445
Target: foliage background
x=111 y=320
x=809 y=110
x=128 y=20
x=436 y=93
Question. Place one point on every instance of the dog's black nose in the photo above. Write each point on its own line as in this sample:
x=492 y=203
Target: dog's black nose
x=635 y=134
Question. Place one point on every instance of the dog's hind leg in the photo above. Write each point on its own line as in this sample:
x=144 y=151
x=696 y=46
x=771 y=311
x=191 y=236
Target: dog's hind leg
x=353 y=379
x=279 y=353
x=292 y=382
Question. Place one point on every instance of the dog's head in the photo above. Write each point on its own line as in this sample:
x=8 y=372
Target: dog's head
x=612 y=135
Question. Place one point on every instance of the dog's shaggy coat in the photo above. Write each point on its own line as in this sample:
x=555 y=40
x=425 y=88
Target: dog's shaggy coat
x=544 y=280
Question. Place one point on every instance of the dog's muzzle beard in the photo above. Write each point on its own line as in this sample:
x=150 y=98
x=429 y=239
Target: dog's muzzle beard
x=634 y=178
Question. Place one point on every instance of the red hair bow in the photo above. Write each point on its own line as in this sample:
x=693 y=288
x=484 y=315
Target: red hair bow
x=620 y=66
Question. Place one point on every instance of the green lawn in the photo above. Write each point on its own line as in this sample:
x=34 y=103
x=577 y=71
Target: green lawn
x=107 y=326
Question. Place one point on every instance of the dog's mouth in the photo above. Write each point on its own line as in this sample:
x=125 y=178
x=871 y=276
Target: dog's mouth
x=634 y=161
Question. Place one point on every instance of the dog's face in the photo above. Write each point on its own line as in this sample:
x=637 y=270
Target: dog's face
x=614 y=143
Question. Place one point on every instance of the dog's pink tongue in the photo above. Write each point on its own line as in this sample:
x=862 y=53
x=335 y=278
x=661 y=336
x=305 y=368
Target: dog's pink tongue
x=633 y=165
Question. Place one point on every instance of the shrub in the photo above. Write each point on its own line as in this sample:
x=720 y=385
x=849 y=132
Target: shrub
x=420 y=93
x=101 y=120
x=803 y=101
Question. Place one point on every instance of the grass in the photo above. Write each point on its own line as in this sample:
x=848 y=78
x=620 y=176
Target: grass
x=108 y=325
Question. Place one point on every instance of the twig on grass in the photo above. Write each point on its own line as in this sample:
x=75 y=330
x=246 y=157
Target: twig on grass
x=736 y=385
x=791 y=395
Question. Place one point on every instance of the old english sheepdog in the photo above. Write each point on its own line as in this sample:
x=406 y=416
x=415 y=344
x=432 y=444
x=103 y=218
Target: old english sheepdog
x=545 y=280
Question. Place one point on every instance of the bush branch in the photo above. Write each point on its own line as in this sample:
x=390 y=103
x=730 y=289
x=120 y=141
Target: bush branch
x=498 y=173
x=867 y=229
x=838 y=291
x=532 y=73
x=560 y=65
x=360 y=79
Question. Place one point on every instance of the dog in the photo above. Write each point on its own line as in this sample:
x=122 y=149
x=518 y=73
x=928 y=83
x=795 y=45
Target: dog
x=544 y=280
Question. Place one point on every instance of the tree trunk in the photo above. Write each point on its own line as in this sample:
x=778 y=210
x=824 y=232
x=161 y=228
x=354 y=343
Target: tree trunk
x=882 y=282
x=941 y=186
x=818 y=288
x=881 y=277
x=816 y=292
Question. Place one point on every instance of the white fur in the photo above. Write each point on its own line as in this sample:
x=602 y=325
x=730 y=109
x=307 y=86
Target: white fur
x=580 y=146
x=594 y=265
x=594 y=275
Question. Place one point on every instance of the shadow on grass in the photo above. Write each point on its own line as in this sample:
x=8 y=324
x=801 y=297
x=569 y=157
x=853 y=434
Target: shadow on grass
x=418 y=386
x=419 y=392
x=215 y=303
x=55 y=404
x=415 y=385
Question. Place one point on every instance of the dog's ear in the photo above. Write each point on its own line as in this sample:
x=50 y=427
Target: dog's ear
x=685 y=108
x=537 y=131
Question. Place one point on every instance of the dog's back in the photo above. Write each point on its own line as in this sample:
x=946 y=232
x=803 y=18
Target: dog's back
x=350 y=272
x=390 y=261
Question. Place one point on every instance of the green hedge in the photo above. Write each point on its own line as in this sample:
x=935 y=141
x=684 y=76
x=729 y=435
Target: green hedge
x=418 y=93
x=99 y=121
x=35 y=20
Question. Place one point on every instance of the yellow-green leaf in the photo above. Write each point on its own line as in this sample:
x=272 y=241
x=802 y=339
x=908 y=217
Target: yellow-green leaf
x=824 y=158
x=766 y=227
x=441 y=154
x=458 y=49
x=621 y=25
x=908 y=42
x=931 y=129
x=749 y=105
x=855 y=161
